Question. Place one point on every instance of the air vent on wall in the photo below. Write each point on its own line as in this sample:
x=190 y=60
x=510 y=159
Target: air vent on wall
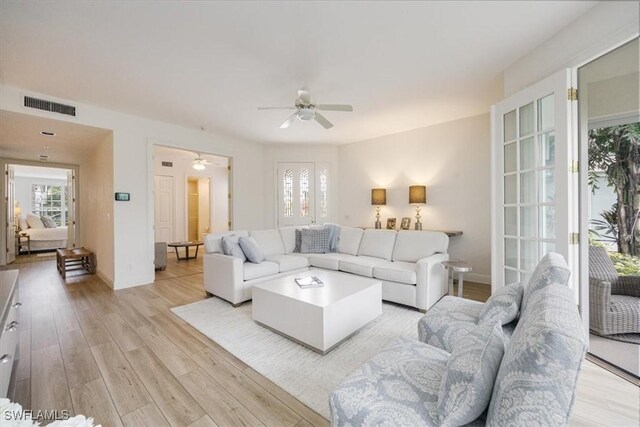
x=54 y=107
x=167 y=164
x=44 y=158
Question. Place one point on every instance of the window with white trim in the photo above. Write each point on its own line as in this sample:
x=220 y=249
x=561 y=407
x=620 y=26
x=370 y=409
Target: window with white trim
x=50 y=200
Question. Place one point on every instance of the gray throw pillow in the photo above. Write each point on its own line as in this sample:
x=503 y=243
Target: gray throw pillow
x=467 y=382
x=231 y=246
x=251 y=249
x=503 y=306
x=298 y=240
x=314 y=241
x=48 y=222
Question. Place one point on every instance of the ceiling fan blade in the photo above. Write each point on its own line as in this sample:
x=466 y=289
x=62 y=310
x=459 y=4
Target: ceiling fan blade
x=276 y=108
x=288 y=122
x=323 y=121
x=304 y=95
x=334 y=107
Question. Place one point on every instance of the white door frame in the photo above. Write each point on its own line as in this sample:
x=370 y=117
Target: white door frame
x=151 y=143
x=3 y=187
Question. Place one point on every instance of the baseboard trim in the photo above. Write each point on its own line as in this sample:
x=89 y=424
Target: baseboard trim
x=104 y=278
x=478 y=278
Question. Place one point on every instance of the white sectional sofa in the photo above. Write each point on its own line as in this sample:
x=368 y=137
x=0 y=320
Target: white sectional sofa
x=406 y=262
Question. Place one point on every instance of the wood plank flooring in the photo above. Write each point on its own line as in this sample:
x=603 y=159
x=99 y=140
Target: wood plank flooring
x=123 y=358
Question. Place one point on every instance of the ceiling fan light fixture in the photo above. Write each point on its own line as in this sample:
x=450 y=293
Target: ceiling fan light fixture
x=306 y=113
x=199 y=166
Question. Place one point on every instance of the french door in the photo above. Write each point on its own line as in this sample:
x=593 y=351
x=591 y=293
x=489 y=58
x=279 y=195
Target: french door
x=303 y=193
x=535 y=202
x=71 y=209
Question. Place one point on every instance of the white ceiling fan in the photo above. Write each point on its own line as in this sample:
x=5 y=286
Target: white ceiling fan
x=199 y=163
x=306 y=110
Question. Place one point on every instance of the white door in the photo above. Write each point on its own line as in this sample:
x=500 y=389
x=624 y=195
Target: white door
x=71 y=209
x=10 y=209
x=163 y=208
x=534 y=201
x=296 y=194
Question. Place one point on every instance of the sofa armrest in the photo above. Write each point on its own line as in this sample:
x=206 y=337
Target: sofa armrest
x=448 y=321
x=430 y=286
x=224 y=276
x=599 y=304
x=627 y=285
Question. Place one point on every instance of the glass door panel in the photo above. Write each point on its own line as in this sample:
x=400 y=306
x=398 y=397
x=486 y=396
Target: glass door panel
x=529 y=174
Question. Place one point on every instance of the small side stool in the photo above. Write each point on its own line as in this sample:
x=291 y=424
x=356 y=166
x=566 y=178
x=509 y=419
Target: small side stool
x=75 y=259
x=454 y=267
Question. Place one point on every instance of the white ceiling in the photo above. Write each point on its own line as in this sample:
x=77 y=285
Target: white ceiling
x=402 y=65
x=175 y=154
x=20 y=138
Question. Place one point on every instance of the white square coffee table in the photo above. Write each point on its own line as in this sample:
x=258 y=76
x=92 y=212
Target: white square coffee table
x=318 y=318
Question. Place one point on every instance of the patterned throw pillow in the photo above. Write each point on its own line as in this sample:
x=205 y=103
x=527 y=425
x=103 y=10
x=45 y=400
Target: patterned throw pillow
x=314 y=241
x=231 y=246
x=503 y=306
x=298 y=244
x=251 y=249
x=467 y=382
x=48 y=222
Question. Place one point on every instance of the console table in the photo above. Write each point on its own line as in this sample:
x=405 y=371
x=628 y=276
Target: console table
x=23 y=242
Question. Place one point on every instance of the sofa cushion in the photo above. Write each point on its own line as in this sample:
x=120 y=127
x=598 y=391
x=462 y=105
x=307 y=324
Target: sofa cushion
x=403 y=272
x=252 y=251
x=288 y=235
x=269 y=241
x=503 y=306
x=412 y=245
x=396 y=387
x=314 y=241
x=360 y=265
x=468 y=379
x=538 y=376
x=289 y=262
x=213 y=241
x=378 y=243
x=328 y=261
x=448 y=321
x=255 y=271
x=231 y=246
x=552 y=269
x=349 y=240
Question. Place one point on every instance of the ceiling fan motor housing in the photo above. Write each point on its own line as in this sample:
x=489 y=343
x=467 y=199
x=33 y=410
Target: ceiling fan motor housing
x=306 y=113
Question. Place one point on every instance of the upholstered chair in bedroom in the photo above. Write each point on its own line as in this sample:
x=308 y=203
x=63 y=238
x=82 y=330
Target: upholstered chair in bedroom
x=614 y=301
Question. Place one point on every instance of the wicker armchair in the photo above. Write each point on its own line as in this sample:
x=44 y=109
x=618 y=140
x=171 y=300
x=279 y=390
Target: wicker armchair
x=614 y=301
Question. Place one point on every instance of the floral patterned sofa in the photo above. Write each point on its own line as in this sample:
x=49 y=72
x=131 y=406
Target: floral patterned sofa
x=475 y=364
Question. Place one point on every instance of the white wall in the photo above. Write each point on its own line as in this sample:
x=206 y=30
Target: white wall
x=219 y=189
x=452 y=159
x=133 y=138
x=274 y=153
x=96 y=207
x=608 y=24
x=24 y=186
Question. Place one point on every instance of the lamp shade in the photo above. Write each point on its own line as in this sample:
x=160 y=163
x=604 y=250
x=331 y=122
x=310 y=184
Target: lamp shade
x=378 y=196
x=417 y=195
x=17 y=211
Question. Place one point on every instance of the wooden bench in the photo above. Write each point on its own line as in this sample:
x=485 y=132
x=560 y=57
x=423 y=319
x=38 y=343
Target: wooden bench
x=75 y=259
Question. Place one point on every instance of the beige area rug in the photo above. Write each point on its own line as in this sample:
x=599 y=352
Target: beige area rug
x=303 y=373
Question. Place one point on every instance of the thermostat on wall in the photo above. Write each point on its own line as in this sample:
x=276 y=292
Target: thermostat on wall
x=123 y=197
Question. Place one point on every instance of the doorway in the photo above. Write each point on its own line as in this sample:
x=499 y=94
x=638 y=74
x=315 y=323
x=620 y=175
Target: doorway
x=41 y=210
x=609 y=117
x=198 y=208
x=191 y=194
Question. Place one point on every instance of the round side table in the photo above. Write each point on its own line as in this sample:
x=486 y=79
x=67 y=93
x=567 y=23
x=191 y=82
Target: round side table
x=454 y=267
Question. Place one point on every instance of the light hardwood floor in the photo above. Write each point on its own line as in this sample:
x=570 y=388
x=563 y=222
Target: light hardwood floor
x=123 y=358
